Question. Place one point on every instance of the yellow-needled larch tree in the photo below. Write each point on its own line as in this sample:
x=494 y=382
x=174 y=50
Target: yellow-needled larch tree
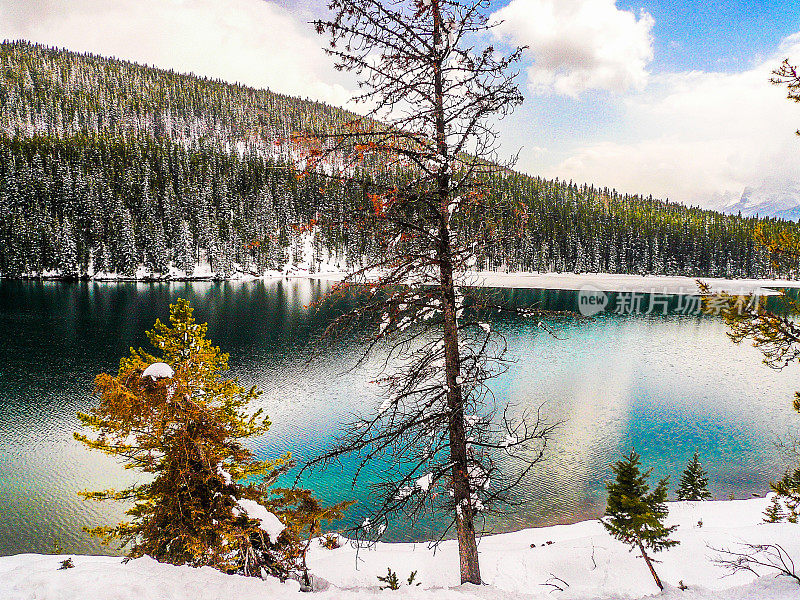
x=208 y=501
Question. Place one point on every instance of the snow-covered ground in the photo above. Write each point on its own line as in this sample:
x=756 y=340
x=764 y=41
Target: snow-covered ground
x=604 y=282
x=582 y=559
x=608 y=282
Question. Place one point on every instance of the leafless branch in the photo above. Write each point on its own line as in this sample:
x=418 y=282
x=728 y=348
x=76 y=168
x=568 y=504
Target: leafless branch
x=756 y=559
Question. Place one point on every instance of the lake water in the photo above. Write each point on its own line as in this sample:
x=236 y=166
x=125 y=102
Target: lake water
x=664 y=385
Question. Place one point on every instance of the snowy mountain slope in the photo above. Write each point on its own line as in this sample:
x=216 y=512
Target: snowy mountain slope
x=581 y=562
x=769 y=199
x=790 y=214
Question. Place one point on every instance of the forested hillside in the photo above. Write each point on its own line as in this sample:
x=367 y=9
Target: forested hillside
x=107 y=165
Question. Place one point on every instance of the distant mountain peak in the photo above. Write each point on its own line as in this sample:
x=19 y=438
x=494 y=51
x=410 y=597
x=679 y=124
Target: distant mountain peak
x=768 y=199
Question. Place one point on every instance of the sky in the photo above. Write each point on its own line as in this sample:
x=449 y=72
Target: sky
x=663 y=97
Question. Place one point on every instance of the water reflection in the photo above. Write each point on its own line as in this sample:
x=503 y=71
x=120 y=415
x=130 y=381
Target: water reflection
x=665 y=385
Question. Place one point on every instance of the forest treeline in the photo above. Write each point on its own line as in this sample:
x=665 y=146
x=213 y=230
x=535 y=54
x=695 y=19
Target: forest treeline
x=106 y=165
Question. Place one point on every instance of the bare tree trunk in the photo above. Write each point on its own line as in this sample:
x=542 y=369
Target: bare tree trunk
x=650 y=565
x=465 y=523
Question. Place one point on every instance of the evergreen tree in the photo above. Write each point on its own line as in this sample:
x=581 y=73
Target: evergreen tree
x=173 y=417
x=788 y=489
x=184 y=249
x=127 y=254
x=159 y=256
x=775 y=335
x=635 y=515
x=68 y=253
x=694 y=482
x=774 y=512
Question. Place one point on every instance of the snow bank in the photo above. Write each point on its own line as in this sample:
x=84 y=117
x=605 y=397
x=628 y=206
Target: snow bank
x=604 y=282
x=33 y=576
x=581 y=558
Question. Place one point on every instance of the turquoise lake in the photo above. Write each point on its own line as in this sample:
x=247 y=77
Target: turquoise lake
x=664 y=385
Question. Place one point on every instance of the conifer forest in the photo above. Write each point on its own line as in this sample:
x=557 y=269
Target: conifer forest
x=107 y=166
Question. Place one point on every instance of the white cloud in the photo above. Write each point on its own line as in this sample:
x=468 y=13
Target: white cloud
x=700 y=138
x=578 y=45
x=251 y=41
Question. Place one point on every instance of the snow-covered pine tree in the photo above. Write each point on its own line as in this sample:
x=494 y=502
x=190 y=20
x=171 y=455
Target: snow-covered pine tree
x=67 y=250
x=126 y=251
x=694 y=481
x=184 y=249
x=635 y=515
x=207 y=501
x=160 y=251
x=156 y=255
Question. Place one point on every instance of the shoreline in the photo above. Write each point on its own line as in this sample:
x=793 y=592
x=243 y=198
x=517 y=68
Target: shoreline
x=604 y=282
x=612 y=282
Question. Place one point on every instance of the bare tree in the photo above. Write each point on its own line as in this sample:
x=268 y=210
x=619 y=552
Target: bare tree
x=423 y=155
x=756 y=559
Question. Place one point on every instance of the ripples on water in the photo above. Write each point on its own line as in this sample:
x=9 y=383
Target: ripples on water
x=666 y=386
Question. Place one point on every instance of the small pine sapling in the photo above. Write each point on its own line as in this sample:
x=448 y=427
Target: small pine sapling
x=774 y=512
x=694 y=482
x=635 y=515
x=390 y=580
x=788 y=489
